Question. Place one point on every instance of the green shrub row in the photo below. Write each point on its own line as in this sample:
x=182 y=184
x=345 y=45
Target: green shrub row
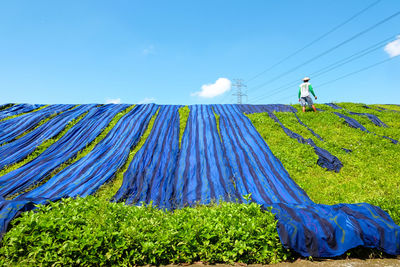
x=92 y=231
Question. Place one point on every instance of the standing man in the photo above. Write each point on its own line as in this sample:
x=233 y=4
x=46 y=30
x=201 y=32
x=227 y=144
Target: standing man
x=304 y=95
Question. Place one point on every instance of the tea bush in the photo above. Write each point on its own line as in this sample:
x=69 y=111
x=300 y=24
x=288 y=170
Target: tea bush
x=93 y=231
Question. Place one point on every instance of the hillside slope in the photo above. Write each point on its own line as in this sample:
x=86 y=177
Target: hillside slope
x=345 y=153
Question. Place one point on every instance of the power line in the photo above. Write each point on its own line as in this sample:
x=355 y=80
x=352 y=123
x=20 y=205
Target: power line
x=353 y=73
x=328 y=68
x=358 y=71
x=331 y=49
x=315 y=40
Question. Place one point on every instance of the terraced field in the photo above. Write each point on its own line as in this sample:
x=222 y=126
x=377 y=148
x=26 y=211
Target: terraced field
x=331 y=180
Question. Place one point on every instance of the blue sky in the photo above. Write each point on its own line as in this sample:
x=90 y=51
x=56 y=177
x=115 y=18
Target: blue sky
x=166 y=51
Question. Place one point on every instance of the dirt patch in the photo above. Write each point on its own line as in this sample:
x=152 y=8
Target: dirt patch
x=392 y=262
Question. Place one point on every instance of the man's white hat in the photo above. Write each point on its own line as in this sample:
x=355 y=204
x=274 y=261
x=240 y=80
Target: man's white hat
x=306 y=78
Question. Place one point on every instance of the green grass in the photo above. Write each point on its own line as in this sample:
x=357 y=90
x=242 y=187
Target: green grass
x=107 y=191
x=217 y=116
x=183 y=117
x=371 y=173
x=392 y=107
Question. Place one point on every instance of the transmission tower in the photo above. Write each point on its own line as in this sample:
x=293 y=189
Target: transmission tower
x=240 y=90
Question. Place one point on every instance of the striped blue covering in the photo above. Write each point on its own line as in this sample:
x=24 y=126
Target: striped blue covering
x=213 y=164
x=67 y=147
x=17 y=109
x=12 y=128
x=22 y=147
x=150 y=174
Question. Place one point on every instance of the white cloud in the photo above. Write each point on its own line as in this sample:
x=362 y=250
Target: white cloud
x=149 y=50
x=393 y=48
x=113 y=101
x=221 y=86
x=147 y=100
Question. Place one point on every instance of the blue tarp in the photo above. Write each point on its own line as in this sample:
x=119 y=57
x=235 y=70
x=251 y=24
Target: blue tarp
x=213 y=165
x=5 y=106
x=17 y=109
x=22 y=147
x=12 y=128
x=149 y=175
x=351 y=122
x=308 y=228
x=355 y=124
x=67 y=147
x=333 y=106
x=374 y=119
x=391 y=110
x=86 y=175
x=203 y=173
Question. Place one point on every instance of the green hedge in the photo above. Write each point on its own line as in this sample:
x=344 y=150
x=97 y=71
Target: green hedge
x=92 y=231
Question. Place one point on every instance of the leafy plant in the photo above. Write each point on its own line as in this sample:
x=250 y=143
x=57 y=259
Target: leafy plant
x=92 y=231
x=183 y=117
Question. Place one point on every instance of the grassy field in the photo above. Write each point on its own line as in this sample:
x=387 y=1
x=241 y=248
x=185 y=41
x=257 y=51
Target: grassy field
x=71 y=232
x=371 y=172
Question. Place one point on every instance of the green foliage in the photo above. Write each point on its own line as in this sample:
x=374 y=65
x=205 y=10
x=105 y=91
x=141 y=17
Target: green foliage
x=183 y=117
x=92 y=231
x=107 y=191
x=371 y=172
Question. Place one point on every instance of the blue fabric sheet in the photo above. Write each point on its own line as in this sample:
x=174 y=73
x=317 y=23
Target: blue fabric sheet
x=17 y=109
x=355 y=124
x=333 y=106
x=5 y=106
x=67 y=147
x=85 y=176
x=203 y=173
x=22 y=147
x=12 y=128
x=310 y=229
x=149 y=175
x=374 y=119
